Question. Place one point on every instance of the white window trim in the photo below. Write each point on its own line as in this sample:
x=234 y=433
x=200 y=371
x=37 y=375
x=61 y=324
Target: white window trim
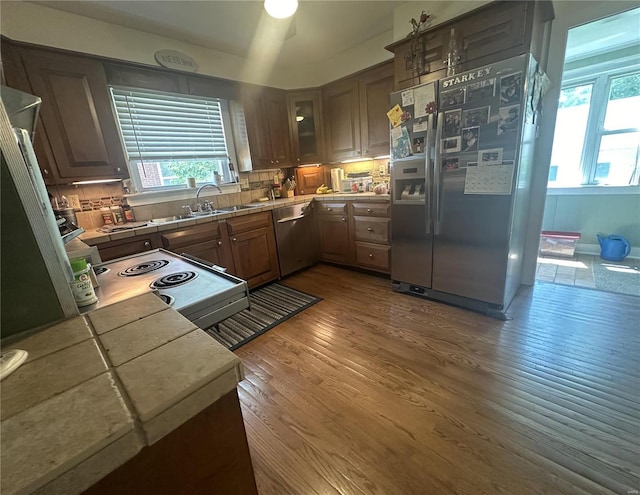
x=601 y=85
x=180 y=191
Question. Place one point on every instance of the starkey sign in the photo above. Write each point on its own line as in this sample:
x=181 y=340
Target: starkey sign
x=471 y=76
x=172 y=59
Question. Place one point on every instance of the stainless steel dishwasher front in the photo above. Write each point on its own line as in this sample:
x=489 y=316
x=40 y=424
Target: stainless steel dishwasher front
x=295 y=237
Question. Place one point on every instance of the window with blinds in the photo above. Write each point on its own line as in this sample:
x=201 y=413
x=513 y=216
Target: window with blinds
x=170 y=137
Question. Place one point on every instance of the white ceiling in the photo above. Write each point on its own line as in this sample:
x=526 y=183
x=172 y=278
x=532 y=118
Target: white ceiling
x=318 y=31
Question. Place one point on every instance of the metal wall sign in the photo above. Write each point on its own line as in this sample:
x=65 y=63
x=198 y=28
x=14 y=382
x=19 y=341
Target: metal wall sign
x=172 y=59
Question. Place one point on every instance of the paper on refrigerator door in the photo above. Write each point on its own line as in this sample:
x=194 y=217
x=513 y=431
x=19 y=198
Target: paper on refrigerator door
x=491 y=179
x=400 y=144
x=423 y=95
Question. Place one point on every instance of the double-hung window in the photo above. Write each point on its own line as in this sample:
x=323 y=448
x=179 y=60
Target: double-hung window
x=597 y=133
x=171 y=137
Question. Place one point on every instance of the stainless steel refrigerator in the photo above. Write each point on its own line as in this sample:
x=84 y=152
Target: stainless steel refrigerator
x=461 y=159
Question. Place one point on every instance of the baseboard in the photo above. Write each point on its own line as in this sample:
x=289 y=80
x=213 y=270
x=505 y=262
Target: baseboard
x=594 y=249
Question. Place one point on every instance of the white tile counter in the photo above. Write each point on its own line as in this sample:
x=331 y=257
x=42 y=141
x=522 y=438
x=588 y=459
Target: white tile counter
x=98 y=388
x=95 y=237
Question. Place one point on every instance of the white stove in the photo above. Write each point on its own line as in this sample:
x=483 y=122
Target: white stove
x=196 y=289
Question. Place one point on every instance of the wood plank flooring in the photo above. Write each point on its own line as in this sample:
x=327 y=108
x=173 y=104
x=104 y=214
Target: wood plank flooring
x=374 y=392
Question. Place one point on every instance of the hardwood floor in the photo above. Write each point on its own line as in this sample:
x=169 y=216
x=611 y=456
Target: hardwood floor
x=374 y=392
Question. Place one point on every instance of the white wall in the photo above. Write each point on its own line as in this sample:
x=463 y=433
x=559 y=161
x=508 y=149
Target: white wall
x=41 y=25
x=569 y=14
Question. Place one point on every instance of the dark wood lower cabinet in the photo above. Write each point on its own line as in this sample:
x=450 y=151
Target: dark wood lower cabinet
x=335 y=243
x=253 y=245
x=127 y=247
x=206 y=241
x=208 y=454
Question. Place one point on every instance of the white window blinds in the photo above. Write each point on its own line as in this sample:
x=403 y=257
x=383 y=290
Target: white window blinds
x=166 y=126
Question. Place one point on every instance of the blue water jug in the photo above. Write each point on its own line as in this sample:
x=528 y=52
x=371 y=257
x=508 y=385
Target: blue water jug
x=613 y=247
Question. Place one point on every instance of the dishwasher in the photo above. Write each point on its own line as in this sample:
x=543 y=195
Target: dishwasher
x=295 y=237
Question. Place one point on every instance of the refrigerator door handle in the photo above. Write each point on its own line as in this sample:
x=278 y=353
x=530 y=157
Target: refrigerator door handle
x=427 y=174
x=437 y=165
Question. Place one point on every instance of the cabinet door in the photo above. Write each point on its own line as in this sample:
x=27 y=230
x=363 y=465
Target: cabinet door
x=276 y=109
x=267 y=127
x=15 y=77
x=255 y=256
x=334 y=238
x=497 y=32
x=305 y=121
x=341 y=107
x=375 y=87
x=308 y=179
x=204 y=241
x=76 y=115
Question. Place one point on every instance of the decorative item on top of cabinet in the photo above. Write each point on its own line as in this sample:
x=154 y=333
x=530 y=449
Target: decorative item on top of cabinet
x=76 y=114
x=308 y=179
x=305 y=121
x=267 y=127
x=253 y=244
x=334 y=232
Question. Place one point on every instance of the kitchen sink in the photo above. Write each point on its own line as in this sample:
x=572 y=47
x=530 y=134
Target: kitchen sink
x=238 y=208
x=158 y=221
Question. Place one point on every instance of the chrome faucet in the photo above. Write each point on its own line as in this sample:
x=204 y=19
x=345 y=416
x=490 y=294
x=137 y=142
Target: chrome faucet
x=198 y=206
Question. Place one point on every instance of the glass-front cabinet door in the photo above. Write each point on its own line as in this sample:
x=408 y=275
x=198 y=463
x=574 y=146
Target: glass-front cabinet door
x=306 y=126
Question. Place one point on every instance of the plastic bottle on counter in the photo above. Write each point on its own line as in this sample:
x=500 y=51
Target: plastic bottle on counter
x=81 y=286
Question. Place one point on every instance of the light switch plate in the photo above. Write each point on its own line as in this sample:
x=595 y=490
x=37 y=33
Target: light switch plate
x=74 y=201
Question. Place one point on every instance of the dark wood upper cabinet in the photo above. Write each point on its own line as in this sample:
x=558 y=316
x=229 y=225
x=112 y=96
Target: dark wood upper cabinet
x=375 y=87
x=14 y=76
x=76 y=115
x=305 y=121
x=341 y=107
x=493 y=32
x=267 y=127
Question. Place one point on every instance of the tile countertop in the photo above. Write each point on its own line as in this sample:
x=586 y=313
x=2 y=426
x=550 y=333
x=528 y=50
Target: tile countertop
x=93 y=237
x=98 y=388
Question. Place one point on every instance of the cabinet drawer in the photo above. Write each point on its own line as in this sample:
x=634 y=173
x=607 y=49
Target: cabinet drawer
x=126 y=247
x=245 y=223
x=371 y=209
x=329 y=208
x=190 y=235
x=372 y=229
x=373 y=256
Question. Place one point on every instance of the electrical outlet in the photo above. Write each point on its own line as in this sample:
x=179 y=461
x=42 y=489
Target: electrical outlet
x=74 y=201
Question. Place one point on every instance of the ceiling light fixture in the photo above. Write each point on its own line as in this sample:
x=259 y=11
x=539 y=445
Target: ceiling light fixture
x=281 y=9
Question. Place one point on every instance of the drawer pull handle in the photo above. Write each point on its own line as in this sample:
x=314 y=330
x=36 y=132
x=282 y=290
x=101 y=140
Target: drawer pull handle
x=234 y=239
x=219 y=243
x=369 y=210
x=370 y=255
x=147 y=244
x=344 y=219
x=329 y=209
x=369 y=229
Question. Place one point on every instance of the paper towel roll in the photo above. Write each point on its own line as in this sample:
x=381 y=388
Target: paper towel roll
x=337 y=174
